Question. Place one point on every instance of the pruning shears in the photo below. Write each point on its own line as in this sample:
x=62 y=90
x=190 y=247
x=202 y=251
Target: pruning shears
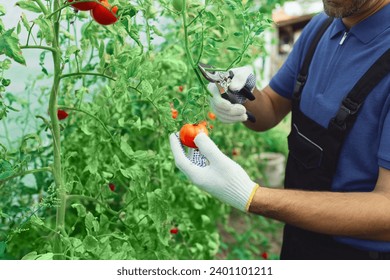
x=222 y=81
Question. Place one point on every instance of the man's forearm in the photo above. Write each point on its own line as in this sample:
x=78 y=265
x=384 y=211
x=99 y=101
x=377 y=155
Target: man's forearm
x=361 y=215
x=269 y=109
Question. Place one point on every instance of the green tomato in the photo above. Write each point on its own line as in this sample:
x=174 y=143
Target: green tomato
x=178 y=5
x=110 y=47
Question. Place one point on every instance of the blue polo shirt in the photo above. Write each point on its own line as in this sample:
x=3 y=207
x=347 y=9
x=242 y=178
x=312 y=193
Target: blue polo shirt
x=341 y=58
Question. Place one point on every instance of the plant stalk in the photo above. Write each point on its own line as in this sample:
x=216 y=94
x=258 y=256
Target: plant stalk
x=187 y=47
x=57 y=168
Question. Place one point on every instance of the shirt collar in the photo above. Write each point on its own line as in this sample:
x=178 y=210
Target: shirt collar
x=367 y=29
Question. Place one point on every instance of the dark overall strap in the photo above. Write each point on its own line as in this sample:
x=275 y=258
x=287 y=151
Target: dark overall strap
x=302 y=76
x=347 y=113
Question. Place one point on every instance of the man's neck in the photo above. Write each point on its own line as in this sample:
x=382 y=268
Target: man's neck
x=366 y=11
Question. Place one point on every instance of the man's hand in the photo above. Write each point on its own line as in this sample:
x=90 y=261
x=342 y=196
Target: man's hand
x=214 y=172
x=241 y=88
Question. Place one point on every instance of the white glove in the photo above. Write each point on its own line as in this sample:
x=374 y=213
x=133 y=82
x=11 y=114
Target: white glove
x=214 y=172
x=224 y=110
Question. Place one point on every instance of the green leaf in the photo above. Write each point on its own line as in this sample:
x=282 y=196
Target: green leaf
x=125 y=147
x=46 y=29
x=29 y=6
x=77 y=245
x=6 y=169
x=30 y=256
x=2 y=28
x=9 y=45
x=260 y=30
x=4 y=215
x=81 y=210
x=18 y=28
x=89 y=218
x=233 y=49
x=36 y=221
x=2 y=10
x=92 y=167
x=101 y=49
x=25 y=22
x=3 y=246
x=45 y=257
x=158 y=213
x=71 y=50
x=122 y=122
x=157 y=31
x=132 y=172
x=133 y=67
x=146 y=88
x=90 y=243
x=96 y=225
x=205 y=220
x=91 y=223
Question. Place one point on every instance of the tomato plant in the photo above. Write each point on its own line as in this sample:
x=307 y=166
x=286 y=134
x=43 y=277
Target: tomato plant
x=102 y=183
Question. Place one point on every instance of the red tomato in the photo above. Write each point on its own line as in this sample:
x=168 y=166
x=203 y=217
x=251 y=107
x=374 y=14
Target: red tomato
x=174 y=231
x=85 y=6
x=264 y=255
x=181 y=88
x=61 y=114
x=104 y=14
x=111 y=186
x=188 y=133
x=175 y=113
x=211 y=116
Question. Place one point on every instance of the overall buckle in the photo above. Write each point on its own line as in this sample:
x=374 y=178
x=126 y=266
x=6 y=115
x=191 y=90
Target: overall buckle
x=347 y=109
x=299 y=84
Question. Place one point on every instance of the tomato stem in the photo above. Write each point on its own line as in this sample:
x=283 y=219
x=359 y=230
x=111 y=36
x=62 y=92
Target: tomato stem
x=187 y=48
x=67 y=4
x=42 y=6
x=57 y=168
x=39 y=47
x=86 y=74
x=32 y=171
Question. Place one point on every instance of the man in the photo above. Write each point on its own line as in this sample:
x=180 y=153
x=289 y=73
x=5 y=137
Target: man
x=336 y=201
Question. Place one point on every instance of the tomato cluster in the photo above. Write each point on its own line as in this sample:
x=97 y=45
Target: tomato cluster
x=102 y=12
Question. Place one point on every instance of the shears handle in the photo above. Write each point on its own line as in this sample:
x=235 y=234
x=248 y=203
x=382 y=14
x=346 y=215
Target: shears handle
x=245 y=91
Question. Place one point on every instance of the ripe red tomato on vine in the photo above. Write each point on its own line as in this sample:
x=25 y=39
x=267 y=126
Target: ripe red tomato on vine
x=174 y=230
x=111 y=186
x=104 y=13
x=211 y=116
x=84 y=6
x=175 y=113
x=188 y=132
x=61 y=114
